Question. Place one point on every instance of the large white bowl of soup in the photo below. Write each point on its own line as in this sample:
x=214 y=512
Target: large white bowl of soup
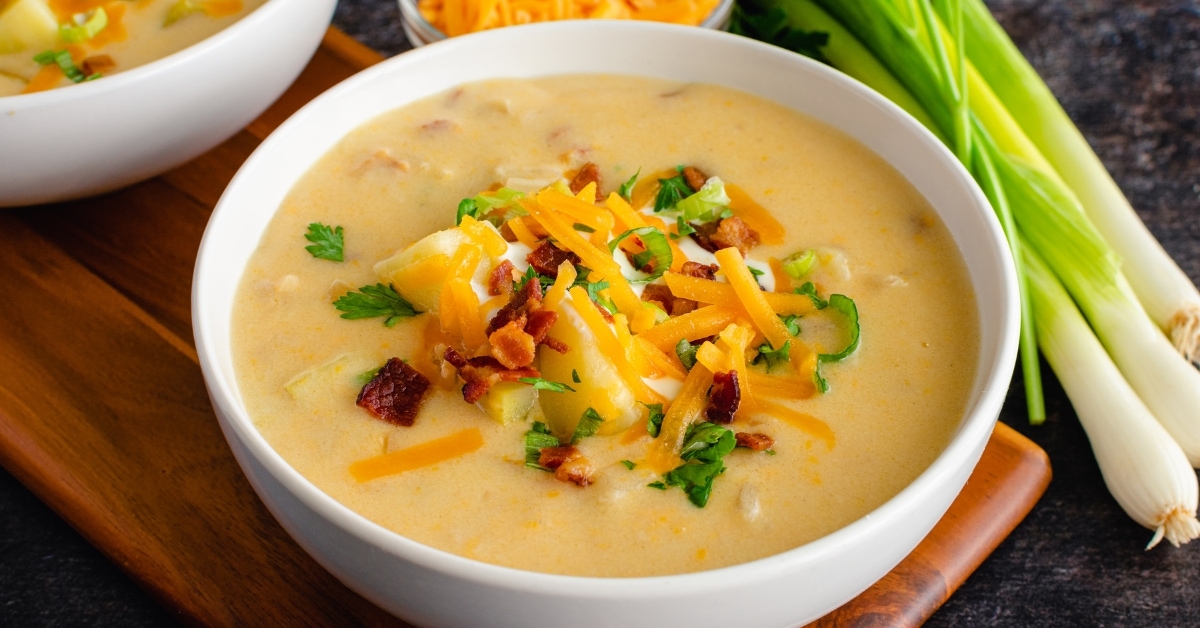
x=601 y=324
x=96 y=95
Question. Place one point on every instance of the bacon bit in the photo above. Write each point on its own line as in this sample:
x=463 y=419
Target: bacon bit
x=695 y=178
x=395 y=393
x=671 y=304
x=724 y=398
x=755 y=441
x=555 y=457
x=520 y=303
x=578 y=470
x=701 y=271
x=97 y=64
x=481 y=372
x=733 y=231
x=546 y=258
x=501 y=280
x=589 y=173
x=512 y=346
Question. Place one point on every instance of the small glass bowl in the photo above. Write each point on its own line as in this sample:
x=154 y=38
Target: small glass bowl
x=419 y=31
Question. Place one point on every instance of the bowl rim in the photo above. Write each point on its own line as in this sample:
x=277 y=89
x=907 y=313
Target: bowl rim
x=967 y=441
x=264 y=13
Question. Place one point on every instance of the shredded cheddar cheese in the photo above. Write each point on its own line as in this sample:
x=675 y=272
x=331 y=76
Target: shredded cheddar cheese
x=458 y=17
x=426 y=454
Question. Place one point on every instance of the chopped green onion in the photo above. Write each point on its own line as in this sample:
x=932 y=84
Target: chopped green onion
x=85 y=27
x=537 y=439
x=671 y=192
x=682 y=228
x=710 y=201
x=588 y=425
x=687 y=353
x=466 y=207
x=626 y=189
x=656 y=245
x=797 y=265
x=654 y=418
x=545 y=384
x=575 y=377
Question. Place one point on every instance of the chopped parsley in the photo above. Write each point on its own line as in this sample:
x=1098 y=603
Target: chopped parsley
x=545 y=384
x=327 y=242
x=792 y=322
x=655 y=418
x=575 y=377
x=365 y=377
x=682 y=228
x=705 y=444
x=809 y=290
x=530 y=273
x=629 y=464
x=537 y=438
x=466 y=207
x=773 y=356
x=579 y=226
x=672 y=191
x=588 y=425
x=754 y=271
x=373 y=301
x=686 y=352
x=658 y=485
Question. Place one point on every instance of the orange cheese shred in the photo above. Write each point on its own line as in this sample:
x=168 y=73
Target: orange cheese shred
x=426 y=454
x=709 y=291
x=687 y=407
x=751 y=296
x=700 y=323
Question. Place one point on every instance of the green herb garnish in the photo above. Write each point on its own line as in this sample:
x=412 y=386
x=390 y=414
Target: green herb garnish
x=327 y=242
x=672 y=191
x=626 y=189
x=686 y=352
x=575 y=377
x=373 y=301
x=545 y=384
x=85 y=27
x=588 y=425
x=809 y=290
x=466 y=207
x=658 y=485
x=792 y=322
x=655 y=418
x=704 y=447
x=772 y=355
x=658 y=251
x=579 y=226
x=629 y=464
x=364 y=378
x=536 y=439
x=682 y=228
x=797 y=265
x=62 y=59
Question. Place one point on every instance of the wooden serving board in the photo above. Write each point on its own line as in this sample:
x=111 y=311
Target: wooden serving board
x=103 y=412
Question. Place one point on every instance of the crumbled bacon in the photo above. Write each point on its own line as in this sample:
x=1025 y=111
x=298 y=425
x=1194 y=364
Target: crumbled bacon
x=663 y=297
x=725 y=233
x=512 y=346
x=97 y=64
x=501 y=279
x=578 y=470
x=546 y=259
x=695 y=178
x=755 y=441
x=589 y=173
x=702 y=271
x=525 y=308
x=723 y=398
x=395 y=393
x=555 y=457
x=481 y=372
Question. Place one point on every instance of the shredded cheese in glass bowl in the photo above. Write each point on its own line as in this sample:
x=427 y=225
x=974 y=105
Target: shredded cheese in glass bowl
x=427 y=21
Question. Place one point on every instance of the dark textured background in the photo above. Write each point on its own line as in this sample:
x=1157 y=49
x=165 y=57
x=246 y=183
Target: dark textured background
x=1129 y=75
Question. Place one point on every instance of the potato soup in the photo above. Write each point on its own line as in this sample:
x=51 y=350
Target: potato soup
x=605 y=326
x=45 y=44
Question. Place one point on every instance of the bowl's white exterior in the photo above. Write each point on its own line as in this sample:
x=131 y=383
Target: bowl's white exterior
x=98 y=136
x=430 y=587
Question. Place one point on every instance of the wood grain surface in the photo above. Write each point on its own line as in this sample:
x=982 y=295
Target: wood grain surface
x=103 y=412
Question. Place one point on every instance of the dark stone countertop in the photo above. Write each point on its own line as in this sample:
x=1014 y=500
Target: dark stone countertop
x=1129 y=75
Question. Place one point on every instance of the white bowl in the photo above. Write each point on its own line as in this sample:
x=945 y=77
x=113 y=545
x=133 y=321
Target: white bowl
x=431 y=587
x=97 y=136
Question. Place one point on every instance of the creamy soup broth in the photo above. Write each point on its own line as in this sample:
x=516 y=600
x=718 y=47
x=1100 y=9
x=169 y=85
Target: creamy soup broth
x=892 y=406
x=135 y=35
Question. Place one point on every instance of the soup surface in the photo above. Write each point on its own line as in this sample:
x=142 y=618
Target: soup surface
x=99 y=37
x=847 y=224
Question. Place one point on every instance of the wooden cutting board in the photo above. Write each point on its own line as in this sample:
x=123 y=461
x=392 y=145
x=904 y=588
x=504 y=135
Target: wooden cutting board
x=103 y=412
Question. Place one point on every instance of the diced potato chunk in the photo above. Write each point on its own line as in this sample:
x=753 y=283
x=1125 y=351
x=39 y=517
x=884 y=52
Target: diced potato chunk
x=419 y=271
x=506 y=402
x=600 y=387
x=27 y=25
x=335 y=377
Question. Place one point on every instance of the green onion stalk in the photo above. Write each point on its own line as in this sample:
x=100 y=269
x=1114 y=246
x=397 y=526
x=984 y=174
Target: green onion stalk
x=1168 y=295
